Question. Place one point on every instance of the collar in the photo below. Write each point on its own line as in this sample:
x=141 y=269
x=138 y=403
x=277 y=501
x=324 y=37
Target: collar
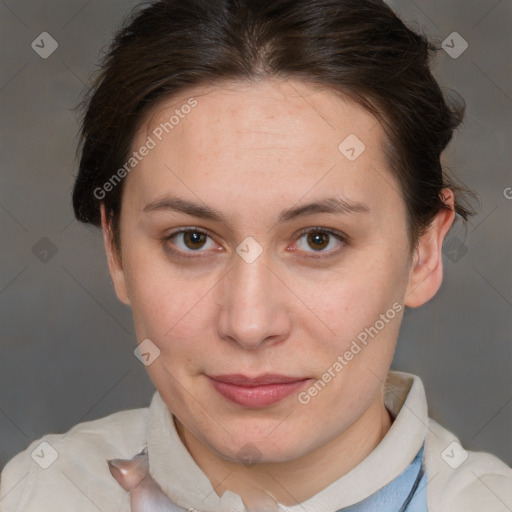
x=406 y=493
x=184 y=482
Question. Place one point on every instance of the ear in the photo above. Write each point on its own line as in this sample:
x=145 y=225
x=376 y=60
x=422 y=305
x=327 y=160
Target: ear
x=426 y=273
x=114 y=262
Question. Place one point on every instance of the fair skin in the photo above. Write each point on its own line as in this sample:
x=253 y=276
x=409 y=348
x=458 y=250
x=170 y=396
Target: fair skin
x=251 y=151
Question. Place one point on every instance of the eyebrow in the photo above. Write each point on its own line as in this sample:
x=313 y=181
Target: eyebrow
x=337 y=205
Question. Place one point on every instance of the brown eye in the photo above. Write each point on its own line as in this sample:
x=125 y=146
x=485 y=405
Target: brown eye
x=318 y=240
x=194 y=239
x=186 y=242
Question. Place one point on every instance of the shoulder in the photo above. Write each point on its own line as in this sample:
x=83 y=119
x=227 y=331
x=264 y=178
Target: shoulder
x=463 y=481
x=60 y=470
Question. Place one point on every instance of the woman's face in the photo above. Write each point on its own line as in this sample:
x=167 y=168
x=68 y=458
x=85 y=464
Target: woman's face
x=247 y=293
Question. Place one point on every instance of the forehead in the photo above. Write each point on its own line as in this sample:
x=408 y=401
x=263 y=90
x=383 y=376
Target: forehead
x=262 y=141
x=254 y=118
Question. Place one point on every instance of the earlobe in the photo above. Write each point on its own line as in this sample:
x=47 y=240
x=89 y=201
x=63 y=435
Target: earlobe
x=426 y=273
x=114 y=264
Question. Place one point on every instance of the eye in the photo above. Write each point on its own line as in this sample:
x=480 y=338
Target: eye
x=193 y=239
x=189 y=240
x=320 y=239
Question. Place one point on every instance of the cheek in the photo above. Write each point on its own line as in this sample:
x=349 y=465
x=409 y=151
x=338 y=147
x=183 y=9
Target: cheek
x=165 y=305
x=351 y=364
x=347 y=301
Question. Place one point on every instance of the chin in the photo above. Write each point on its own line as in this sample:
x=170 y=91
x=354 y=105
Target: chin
x=250 y=450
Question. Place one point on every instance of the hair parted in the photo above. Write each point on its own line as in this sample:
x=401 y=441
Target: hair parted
x=358 y=48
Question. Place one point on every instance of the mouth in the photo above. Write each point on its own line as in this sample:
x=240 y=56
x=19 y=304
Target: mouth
x=256 y=392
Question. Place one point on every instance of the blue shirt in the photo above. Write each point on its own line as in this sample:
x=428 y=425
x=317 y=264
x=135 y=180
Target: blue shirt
x=406 y=493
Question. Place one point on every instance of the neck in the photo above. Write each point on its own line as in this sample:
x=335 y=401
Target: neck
x=294 y=481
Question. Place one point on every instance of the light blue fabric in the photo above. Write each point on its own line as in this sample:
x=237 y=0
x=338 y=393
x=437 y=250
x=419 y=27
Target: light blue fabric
x=406 y=493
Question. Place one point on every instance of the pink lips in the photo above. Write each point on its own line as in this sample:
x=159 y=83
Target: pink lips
x=256 y=392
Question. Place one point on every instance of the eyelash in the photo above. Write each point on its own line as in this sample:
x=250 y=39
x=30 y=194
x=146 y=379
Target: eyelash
x=314 y=230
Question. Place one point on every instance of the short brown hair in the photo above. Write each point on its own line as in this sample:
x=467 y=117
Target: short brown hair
x=357 y=47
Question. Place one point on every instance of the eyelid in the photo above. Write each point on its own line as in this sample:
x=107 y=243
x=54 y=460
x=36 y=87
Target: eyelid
x=341 y=237
x=184 y=254
x=316 y=229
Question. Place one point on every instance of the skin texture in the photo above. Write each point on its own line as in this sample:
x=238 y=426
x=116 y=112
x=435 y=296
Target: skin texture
x=250 y=151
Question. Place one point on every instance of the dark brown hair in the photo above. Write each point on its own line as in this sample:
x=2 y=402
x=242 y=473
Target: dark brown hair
x=357 y=47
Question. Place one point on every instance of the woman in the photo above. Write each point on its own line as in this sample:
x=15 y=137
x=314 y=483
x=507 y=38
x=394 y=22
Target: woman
x=267 y=177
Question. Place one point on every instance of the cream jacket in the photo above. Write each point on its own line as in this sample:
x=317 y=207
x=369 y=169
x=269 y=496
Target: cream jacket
x=68 y=472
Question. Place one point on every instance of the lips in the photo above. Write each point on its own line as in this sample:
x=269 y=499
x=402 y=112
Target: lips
x=256 y=392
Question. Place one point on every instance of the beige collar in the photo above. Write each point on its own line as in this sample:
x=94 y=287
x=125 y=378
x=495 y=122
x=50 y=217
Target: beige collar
x=179 y=476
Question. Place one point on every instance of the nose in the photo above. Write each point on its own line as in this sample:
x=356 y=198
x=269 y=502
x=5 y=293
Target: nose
x=253 y=304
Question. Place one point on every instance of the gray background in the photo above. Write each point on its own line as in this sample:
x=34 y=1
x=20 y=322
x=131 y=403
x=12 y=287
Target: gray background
x=67 y=343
